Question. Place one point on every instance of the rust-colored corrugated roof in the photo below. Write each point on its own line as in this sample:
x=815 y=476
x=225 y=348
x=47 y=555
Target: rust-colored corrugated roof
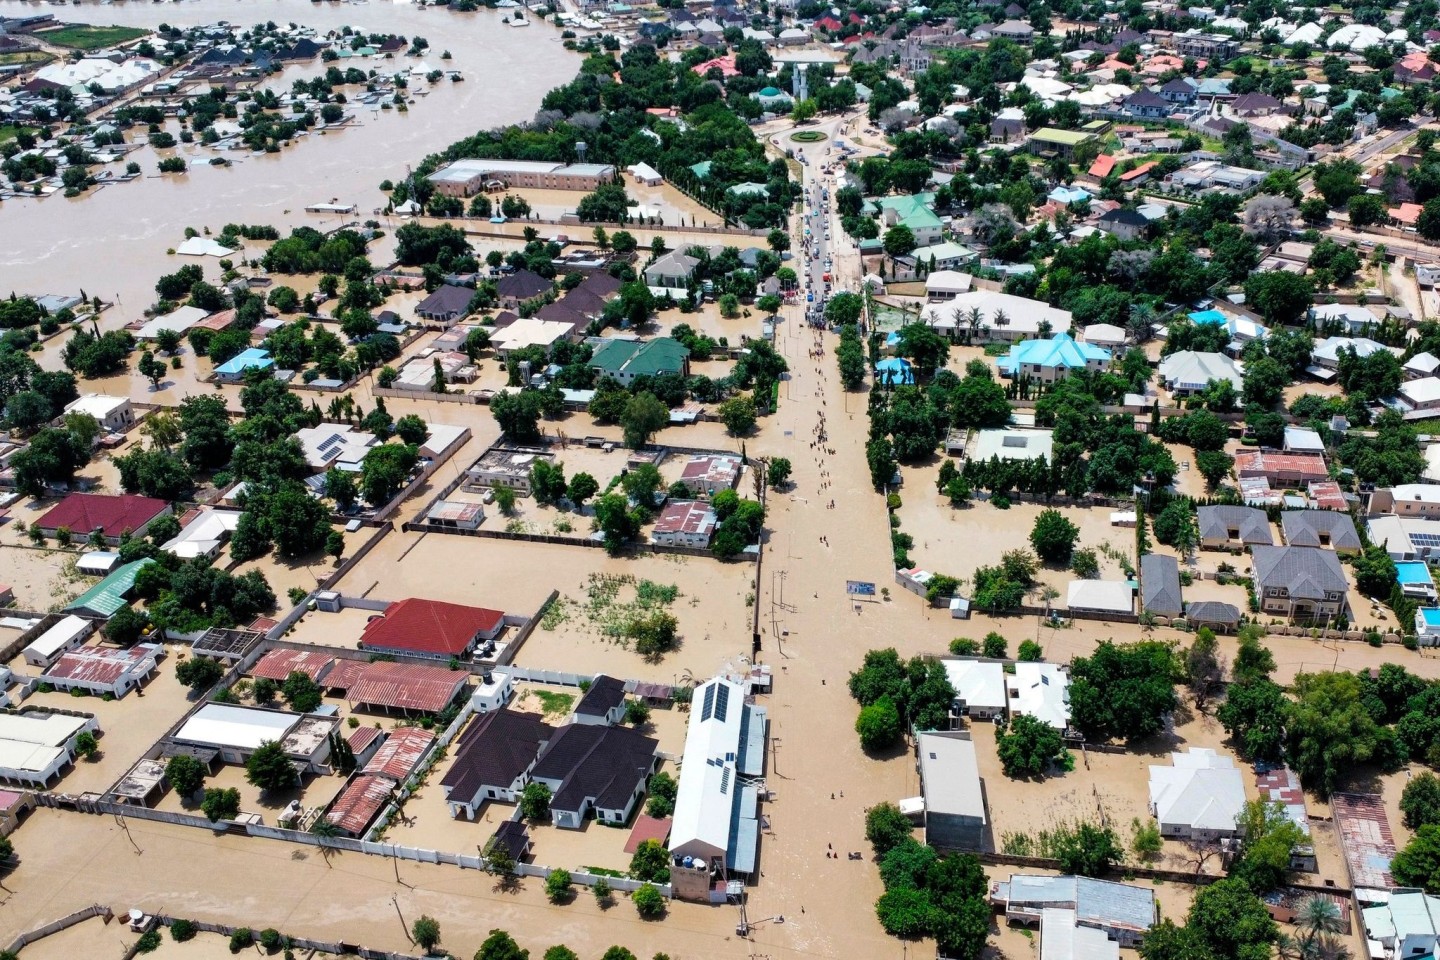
x=100 y=665
x=404 y=686
x=112 y=515
x=361 y=737
x=400 y=752
x=359 y=803
x=279 y=664
x=344 y=673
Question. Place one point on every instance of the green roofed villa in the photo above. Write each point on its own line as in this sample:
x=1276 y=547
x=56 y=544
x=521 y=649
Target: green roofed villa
x=627 y=359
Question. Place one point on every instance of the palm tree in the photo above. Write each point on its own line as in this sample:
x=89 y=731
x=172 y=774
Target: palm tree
x=1318 y=916
x=1000 y=319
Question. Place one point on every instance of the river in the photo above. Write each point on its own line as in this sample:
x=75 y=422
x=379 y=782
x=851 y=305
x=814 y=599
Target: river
x=113 y=241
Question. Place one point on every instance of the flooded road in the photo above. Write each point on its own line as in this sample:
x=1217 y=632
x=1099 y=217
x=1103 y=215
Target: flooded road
x=113 y=241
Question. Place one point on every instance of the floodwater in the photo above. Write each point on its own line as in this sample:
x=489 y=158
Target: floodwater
x=112 y=241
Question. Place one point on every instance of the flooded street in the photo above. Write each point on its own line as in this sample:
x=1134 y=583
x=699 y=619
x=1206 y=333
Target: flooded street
x=112 y=241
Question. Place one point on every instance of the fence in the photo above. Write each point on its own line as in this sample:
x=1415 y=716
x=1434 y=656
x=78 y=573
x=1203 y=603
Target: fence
x=55 y=926
x=1139 y=870
x=467 y=398
x=304 y=943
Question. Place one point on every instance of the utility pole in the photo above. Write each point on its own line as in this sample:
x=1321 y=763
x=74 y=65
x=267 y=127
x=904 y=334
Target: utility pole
x=403 y=926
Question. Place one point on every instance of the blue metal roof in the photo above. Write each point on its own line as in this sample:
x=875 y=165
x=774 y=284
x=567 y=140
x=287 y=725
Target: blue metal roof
x=744 y=840
x=251 y=359
x=750 y=760
x=1058 y=351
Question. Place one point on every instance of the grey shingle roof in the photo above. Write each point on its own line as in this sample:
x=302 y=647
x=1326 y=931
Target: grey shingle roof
x=1216 y=522
x=1212 y=611
x=1160 y=585
x=1307 y=573
x=1311 y=528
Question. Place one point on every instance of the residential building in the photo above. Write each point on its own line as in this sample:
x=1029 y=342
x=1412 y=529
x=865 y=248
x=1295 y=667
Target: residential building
x=946 y=285
x=1040 y=690
x=716 y=806
x=1049 y=141
x=235 y=369
x=946 y=255
x=1325 y=356
x=1405 y=538
x=1419 y=396
x=1408 y=500
x=455 y=515
x=105 y=598
x=342 y=446
x=1406 y=925
x=204 y=533
x=528 y=332
x=1228 y=527
x=1281 y=469
x=1187 y=372
x=360 y=803
x=1210 y=46
x=1302 y=583
x=990 y=316
x=708 y=474
x=955 y=808
x=465 y=177
x=1063 y=938
x=1146 y=105
x=1160 y=585
x=114 y=414
x=1049 y=360
x=979 y=687
x=624 y=360
x=1016 y=30
x=505 y=467
x=111 y=515
x=278 y=664
x=67 y=634
x=1215 y=175
x=400 y=754
x=234 y=733
x=603 y=702
x=445 y=306
x=493 y=760
x=516 y=288
x=36 y=745
x=1120 y=912
x=104 y=671
x=404 y=688
x=673 y=271
x=1221 y=617
x=915 y=211
x=684 y=523
x=1100 y=596
x=431 y=628
x=1198 y=797
x=1303 y=440
x=1320 y=528
x=1007 y=444
x=1124 y=224
x=1106 y=335
x=1354 y=318
x=595 y=769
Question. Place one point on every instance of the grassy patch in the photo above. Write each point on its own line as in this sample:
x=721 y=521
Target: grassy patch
x=808 y=136
x=84 y=37
x=24 y=57
x=554 y=704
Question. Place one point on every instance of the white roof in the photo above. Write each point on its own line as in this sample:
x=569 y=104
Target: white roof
x=950 y=775
x=1023 y=315
x=643 y=171
x=1012 y=444
x=977 y=683
x=1356 y=36
x=202 y=536
x=1202 y=790
x=180 y=320
x=1305 y=33
x=59 y=637
x=1104 y=334
x=1424 y=390
x=97 y=405
x=1042 y=691
x=530 y=332
x=1193 y=369
x=340 y=445
x=202 y=247
x=1425 y=362
x=1352 y=313
x=1101 y=595
x=948 y=280
x=703 y=801
x=244 y=728
x=1417 y=492
x=1330 y=347
x=1303 y=439
x=40 y=729
x=1062 y=938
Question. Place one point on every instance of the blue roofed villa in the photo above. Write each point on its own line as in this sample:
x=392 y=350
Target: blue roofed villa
x=234 y=369
x=1050 y=360
x=1415 y=580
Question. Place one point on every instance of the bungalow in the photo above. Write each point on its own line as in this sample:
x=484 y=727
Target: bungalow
x=445 y=306
x=1281 y=469
x=672 y=271
x=1223 y=617
x=1353 y=318
x=1145 y=104
x=1229 y=527
x=603 y=702
x=1049 y=141
x=203 y=534
x=1320 y=528
x=684 y=523
x=520 y=286
x=1015 y=30
x=1040 y=690
x=624 y=360
x=599 y=769
x=1160 y=585
x=235 y=369
x=645 y=174
x=1198 y=797
x=946 y=285
x=111 y=515
x=979 y=688
x=1050 y=360
x=708 y=474
x=104 y=671
x=114 y=414
x=431 y=628
x=494 y=755
x=1115 y=913
x=1100 y=596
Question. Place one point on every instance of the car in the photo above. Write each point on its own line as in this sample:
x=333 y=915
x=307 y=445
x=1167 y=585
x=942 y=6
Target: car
x=498 y=218
x=810 y=297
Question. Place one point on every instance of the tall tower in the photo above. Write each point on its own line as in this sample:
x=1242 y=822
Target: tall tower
x=580 y=148
x=800 y=86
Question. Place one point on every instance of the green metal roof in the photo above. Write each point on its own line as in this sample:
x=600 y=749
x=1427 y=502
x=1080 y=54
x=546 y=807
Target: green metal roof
x=701 y=169
x=1071 y=138
x=108 y=596
x=653 y=357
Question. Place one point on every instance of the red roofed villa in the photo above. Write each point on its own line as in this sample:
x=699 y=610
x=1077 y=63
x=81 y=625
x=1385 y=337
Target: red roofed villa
x=112 y=515
x=400 y=753
x=726 y=66
x=1103 y=166
x=1407 y=214
x=1281 y=469
x=431 y=628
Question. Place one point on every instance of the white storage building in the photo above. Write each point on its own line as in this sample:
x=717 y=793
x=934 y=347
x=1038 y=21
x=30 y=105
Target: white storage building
x=35 y=747
x=68 y=634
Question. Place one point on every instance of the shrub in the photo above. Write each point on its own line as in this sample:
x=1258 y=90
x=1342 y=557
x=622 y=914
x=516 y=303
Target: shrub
x=240 y=939
x=149 y=942
x=182 y=930
x=648 y=900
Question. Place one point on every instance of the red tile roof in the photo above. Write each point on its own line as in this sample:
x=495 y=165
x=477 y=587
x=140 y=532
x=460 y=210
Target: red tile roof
x=1408 y=213
x=404 y=686
x=429 y=626
x=726 y=66
x=400 y=752
x=1103 y=166
x=359 y=803
x=279 y=664
x=110 y=514
x=647 y=828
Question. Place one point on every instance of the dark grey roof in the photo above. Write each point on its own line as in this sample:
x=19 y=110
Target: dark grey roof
x=1145 y=98
x=446 y=299
x=1212 y=611
x=1304 y=528
x=601 y=764
x=1120 y=215
x=1179 y=86
x=604 y=694
x=522 y=285
x=514 y=837
x=495 y=749
x=1306 y=573
x=1216 y=522
x=1160 y=585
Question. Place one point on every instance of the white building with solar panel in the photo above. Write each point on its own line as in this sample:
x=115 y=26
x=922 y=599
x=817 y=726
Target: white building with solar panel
x=716 y=827
x=337 y=445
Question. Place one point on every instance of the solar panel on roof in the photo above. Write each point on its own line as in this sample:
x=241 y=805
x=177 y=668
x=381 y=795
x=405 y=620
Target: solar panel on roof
x=722 y=701
x=708 y=710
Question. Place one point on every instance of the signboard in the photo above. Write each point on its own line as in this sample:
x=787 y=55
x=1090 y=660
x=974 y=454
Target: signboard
x=859 y=588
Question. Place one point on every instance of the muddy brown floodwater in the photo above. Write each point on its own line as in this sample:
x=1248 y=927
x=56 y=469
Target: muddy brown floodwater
x=112 y=241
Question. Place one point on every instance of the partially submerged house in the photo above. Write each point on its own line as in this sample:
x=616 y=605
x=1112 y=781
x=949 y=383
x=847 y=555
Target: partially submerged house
x=1199 y=797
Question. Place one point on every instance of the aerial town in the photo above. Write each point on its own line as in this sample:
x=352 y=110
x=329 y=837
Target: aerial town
x=405 y=528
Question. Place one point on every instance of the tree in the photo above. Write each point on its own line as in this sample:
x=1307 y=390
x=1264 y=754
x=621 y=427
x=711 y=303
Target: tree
x=560 y=952
x=1366 y=210
x=1375 y=573
x=643 y=416
x=518 y=414
x=1420 y=801
x=1282 y=298
x=221 y=804
x=1053 y=537
x=186 y=774
x=1123 y=690
x=499 y=862
x=582 y=487
x=1418 y=865
x=886 y=827
x=738 y=415
x=778 y=240
x=558 y=887
x=302 y=693
x=878 y=725
x=385 y=470
x=650 y=862
x=1267 y=838
x=1331 y=733
x=270 y=769
x=1030 y=652
x=995 y=646
x=1253 y=660
x=1204 y=668
x=1254 y=715
x=648 y=901
x=601 y=890
x=547 y=481
x=899 y=240
x=1269 y=217
x=501 y=946
x=535 y=801
x=264 y=690
x=777 y=472
x=425 y=931
x=1028 y=746
x=843 y=308
x=126 y=626
x=1231 y=921
x=199 y=673
x=662 y=788
x=1088 y=850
